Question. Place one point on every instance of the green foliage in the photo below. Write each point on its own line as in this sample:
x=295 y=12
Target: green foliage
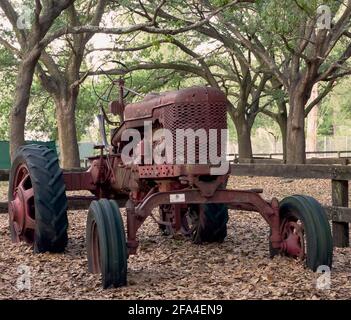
x=335 y=110
x=7 y=60
x=268 y=20
x=86 y=110
x=268 y=124
x=275 y=19
x=325 y=125
x=233 y=137
x=219 y=3
x=278 y=95
x=7 y=88
x=8 y=68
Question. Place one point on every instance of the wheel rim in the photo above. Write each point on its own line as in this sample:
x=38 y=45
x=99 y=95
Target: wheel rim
x=293 y=235
x=95 y=249
x=21 y=207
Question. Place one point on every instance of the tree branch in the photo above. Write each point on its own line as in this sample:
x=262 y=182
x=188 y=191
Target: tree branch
x=157 y=10
x=336 y=65
x=13 y=17
x=147 y=27
x=138 y=48
x=320 y=97
x=151 y=66
x=90 y=29
x=10 y=47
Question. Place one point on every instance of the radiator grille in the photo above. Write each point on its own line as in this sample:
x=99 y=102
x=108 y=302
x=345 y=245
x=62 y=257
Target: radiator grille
x=195 y=117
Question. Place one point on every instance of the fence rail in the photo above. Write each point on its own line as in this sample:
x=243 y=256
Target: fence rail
x=339 y=154
x=338 y=213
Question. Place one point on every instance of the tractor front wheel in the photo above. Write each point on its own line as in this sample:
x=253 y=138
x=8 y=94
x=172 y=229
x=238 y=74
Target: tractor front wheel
x=305 y=231
x=106 y=243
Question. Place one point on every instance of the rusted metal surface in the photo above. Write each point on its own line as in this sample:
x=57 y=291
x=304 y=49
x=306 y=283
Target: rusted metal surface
x=196 y=116
x=21 y=207
x=157 y=171
x=170 y=170
x=190 y=96
x=79 y=181
x=193 y=108
x=293 y=235
x=116 y=108
x=238 y=199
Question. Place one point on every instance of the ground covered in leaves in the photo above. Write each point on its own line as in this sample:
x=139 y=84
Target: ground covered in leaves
x=168 y=268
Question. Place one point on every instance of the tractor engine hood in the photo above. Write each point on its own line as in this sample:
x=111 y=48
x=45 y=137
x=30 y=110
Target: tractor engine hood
x=145 y=108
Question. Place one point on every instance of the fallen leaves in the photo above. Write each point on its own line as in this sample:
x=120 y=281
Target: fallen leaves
x=167 y=268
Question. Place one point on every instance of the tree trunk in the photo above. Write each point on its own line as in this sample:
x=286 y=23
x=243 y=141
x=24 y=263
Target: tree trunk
x=282 y=122
x=312 y=123
x=296 y=129
x=281 y=117
x=67 y=133
x=244 y=138
x=22 y=94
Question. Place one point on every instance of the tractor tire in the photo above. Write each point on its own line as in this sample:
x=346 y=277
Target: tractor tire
x=50 y=201
x=209 y=222
x=315 y=237
x=106 y=243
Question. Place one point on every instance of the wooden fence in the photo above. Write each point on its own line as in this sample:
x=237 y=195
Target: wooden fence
x=313 y=157
x=338 y=154
x=338 y=213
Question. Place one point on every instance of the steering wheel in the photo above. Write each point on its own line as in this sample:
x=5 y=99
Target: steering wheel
x=111 y=89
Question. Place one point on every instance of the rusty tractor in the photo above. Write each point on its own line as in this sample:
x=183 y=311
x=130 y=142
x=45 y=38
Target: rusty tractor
x=192 y=198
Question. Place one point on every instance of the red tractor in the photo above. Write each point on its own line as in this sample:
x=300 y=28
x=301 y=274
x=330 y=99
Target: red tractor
x=192 y=197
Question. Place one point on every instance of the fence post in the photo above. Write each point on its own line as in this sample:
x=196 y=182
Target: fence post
x=340 y=198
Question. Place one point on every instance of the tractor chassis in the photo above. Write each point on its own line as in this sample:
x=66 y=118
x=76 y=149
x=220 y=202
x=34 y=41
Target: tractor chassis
x=139 y=206
x=248 y=200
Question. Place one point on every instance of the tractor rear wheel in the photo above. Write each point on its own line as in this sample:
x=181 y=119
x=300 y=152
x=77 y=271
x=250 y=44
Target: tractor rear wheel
x=305 y=231
x=209 y=222
x=37 y=200
x=106 y=243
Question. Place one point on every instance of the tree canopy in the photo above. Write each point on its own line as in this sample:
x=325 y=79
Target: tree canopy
x=265 y=55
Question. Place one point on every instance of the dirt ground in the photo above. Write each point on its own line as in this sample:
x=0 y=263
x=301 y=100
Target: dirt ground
x=167 y=268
